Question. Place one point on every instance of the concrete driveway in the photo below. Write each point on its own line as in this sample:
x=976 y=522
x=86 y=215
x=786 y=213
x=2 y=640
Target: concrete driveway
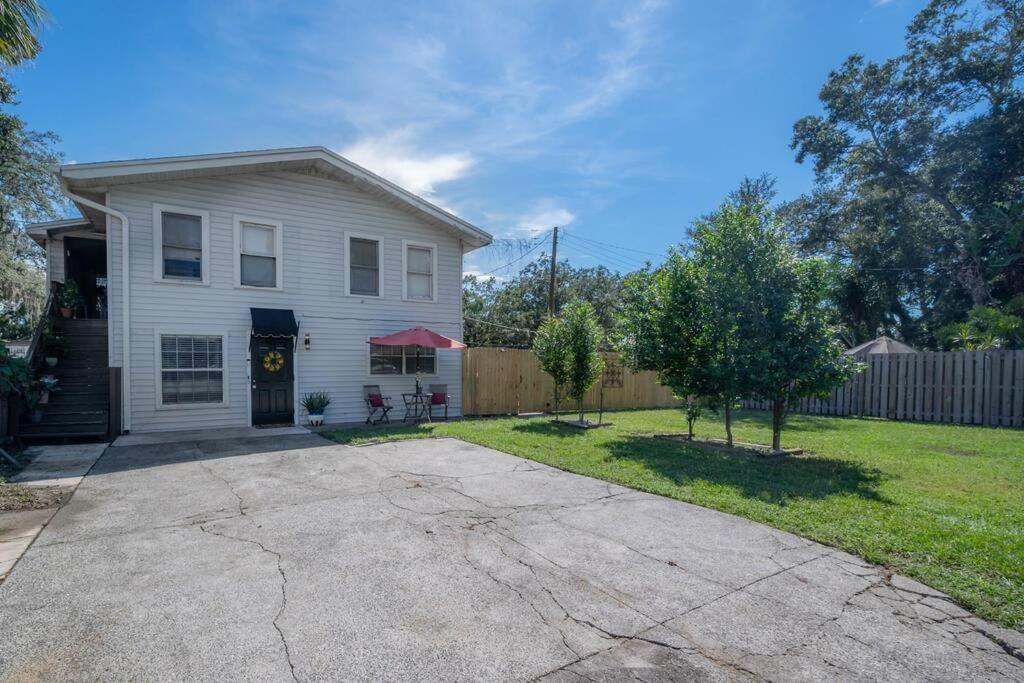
x=290 y=557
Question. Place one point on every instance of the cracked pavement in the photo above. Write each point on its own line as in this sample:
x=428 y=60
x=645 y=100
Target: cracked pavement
x=293 y=558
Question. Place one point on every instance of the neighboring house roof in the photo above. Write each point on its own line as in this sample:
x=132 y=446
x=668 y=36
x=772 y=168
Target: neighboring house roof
x=882 y=344
x=96 y=176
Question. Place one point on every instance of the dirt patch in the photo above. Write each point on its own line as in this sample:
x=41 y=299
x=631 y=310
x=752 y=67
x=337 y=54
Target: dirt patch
x=14 y=497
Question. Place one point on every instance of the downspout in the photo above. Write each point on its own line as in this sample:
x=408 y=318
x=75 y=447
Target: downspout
x=126 y=397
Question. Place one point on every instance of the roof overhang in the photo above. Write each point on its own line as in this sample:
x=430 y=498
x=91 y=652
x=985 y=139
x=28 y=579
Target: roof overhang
x=39 y=232
x=98 y=176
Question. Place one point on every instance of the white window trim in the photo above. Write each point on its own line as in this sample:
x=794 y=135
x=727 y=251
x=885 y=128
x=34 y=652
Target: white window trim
x=405 y=270
x=158 y=244
x=278 y=251
x=190 y=332
x=380 y=264
x=370 y=375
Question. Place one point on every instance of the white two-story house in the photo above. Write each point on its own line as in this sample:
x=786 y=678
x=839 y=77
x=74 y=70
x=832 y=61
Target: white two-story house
x=227 y=286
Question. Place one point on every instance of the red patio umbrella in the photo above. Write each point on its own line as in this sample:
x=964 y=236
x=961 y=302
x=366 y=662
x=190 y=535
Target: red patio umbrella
x=420 y=337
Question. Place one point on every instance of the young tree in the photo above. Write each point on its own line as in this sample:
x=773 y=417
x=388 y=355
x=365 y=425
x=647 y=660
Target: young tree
x=791 y=350
x=785 y=349
x=583 y=337
x=552 y=352
x=667 y=325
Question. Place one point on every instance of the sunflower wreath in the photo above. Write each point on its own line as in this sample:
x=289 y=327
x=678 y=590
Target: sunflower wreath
x=273 y=361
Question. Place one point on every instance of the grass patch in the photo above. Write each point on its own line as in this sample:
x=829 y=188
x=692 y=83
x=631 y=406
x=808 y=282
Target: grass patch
x=941 y=503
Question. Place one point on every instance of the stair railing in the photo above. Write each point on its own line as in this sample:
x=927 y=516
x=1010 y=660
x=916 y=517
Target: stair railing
x=34 y=356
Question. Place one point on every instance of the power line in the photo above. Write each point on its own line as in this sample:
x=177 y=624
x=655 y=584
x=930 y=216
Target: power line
x=595 y=249
x=615 y=246
x=616 y=260
x=504 y=327
x=540 y=241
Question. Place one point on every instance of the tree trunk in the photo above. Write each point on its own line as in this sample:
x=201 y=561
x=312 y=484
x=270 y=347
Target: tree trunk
x=689 y=428
x=556 y=403
x=778 y=415
x=728 y=423
x=581 y=410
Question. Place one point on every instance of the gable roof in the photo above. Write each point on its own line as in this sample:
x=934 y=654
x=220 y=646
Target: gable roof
x=94 y=176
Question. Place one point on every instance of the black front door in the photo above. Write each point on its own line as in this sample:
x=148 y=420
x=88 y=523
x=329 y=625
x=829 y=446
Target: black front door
x=273 y=380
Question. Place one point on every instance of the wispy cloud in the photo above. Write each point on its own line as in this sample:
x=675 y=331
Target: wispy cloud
x=426 y=96
x=544 y=216
x=396 y=158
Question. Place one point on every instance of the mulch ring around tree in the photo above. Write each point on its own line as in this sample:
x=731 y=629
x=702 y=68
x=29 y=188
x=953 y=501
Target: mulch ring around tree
x=585 y=424
x=738 y=447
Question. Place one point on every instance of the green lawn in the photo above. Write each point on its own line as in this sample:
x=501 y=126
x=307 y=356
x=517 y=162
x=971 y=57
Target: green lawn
x=941 y=503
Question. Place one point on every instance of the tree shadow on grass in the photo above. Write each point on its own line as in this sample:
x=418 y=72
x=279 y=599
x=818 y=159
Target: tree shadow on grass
x=542 y=427
x=797 y=422
x=775 y=480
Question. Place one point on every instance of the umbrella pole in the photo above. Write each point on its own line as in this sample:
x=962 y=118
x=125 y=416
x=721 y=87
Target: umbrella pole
x=417 y=368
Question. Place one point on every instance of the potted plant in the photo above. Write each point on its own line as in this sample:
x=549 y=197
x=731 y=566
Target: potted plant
x=70 y=299
x=53 y=345
x=47 y=383
x=315 y=404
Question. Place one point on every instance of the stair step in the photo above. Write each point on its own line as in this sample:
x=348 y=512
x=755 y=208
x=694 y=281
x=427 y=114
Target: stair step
x=87 y=374
x=81 y=324
x=85 y=409
x=80 y=364
x=91 y=418
x=76 y=403
x=67 y=390
x=40 y=431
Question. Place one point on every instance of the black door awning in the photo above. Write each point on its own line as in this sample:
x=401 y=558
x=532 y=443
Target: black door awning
x=273 y=322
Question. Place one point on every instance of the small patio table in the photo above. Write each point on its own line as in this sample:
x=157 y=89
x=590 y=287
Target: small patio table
x=417 y=407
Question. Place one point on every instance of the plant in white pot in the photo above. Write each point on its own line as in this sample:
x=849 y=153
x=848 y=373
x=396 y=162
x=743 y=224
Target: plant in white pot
x=315 y=404
x=47 y=384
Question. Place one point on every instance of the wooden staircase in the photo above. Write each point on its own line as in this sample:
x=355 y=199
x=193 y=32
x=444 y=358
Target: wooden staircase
x=81 y=406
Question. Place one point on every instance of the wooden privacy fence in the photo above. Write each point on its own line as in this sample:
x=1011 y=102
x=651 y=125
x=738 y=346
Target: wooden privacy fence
x=499 y=381
x=963 y=387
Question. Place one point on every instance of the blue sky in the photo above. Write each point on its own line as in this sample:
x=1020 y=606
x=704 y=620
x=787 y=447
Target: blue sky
x=621 y=121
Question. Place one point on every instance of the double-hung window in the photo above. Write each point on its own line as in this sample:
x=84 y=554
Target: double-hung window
x=181 y=240
x=362 y=259
x=191 y=369
x=401 y=360
x=420 y=271
x=258 y=257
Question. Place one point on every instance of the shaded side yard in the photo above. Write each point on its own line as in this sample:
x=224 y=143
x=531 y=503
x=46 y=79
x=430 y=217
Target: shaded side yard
x=941 y=503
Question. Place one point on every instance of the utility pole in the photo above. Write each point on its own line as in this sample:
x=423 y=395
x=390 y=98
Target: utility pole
x=554 y=263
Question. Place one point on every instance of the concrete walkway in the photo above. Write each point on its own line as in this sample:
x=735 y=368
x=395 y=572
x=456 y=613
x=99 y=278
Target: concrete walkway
x=296 y=559
x=60 y=467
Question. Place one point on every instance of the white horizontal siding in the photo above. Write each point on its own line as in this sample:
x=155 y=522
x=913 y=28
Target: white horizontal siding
x=315 y=212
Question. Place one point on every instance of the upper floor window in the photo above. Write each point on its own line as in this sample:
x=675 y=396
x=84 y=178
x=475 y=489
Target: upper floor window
x=258 y=253
x=362 y=258
x=420 y=271
x=181 y=243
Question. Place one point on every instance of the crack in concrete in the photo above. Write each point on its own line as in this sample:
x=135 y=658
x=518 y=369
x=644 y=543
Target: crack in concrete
x=274 y=553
